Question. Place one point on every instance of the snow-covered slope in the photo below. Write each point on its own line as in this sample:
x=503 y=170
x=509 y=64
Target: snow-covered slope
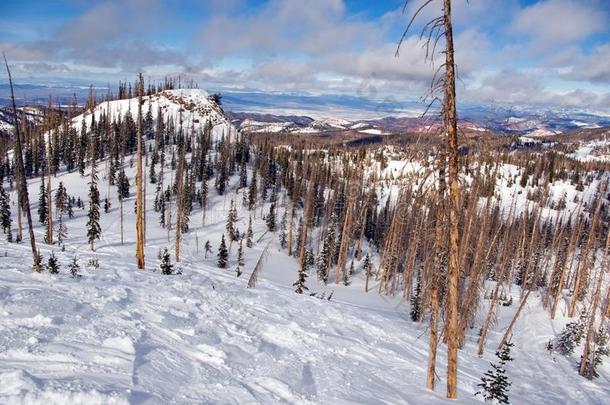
x=193 y=107
x=121 y=335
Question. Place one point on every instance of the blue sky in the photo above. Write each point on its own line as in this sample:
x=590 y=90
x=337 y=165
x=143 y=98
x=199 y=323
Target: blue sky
x=549 y=52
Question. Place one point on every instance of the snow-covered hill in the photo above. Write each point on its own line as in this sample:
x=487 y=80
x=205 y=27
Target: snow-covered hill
x=193 y=107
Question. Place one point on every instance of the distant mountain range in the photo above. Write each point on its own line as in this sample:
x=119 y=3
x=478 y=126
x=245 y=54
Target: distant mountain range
x=506 y=122
x=255 y=111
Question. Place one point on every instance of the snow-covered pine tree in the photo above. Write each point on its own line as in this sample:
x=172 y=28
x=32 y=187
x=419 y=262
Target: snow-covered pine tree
x=299 y=240
x=416 y=309
x=300 y=283
x=243 y=175
x=252 y=192
x=326 y=255
x=223 y=253
x=42 y=204
x=346 y=276
x=231 y=219
x=283 y=236
x=249 y=234
x=93 y=226
x=310 y=258
x=270 y=218
x=53 y=264
x=5 y=212
x=61 y=200
x=240 y=253
x=166 y=265
x=571 y=336
x=123 y=185
x=73 y=268
x=495 y=383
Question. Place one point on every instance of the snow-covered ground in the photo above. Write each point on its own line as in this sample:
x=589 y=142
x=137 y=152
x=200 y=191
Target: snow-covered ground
x=598 y=150
x=122 y=335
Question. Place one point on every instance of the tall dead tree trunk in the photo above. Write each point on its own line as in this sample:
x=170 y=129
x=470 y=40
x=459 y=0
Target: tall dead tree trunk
x=454 y=202
x=24 y=200
x=49 y=239
x=139 y=186
x=180 y=199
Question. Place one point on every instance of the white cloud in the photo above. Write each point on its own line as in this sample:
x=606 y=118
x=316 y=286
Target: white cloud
x=594 y=67
x=557 y=22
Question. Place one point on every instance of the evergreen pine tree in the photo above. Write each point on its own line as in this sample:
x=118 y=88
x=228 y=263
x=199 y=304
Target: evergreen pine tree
x=249 y=234
x=325 y=257
x=93 y=226
x=231 y=219
x=367 y=266
x=53 y=264
x=240 y=253
x=416 y=310
x=5 y=212
x=252 y=192
x=73 y=268
x=166 y=266
x=162 y=204
x=571 y=336
x=42 y=204
x=346 y=280
x=223 y=253
x=494 y=383
x=123 y=185
x=61 y=199
x=300 y=283
x=243 y=175
x=271 y=218
x=283 y=236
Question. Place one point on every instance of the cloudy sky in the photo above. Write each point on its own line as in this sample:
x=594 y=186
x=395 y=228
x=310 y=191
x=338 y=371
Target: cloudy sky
x=548 y=52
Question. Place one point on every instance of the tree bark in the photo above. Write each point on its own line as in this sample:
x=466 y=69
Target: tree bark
x=23 y=195
x=454 y=199
x=139 y=190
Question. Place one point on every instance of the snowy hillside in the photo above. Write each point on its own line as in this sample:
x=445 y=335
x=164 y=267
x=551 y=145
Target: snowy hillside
x=121 y=335
x=116 y=335
x=192 y=107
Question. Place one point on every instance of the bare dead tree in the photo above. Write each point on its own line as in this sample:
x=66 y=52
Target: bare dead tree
x=24 y=201
x=139 y=183
x=434 y=30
